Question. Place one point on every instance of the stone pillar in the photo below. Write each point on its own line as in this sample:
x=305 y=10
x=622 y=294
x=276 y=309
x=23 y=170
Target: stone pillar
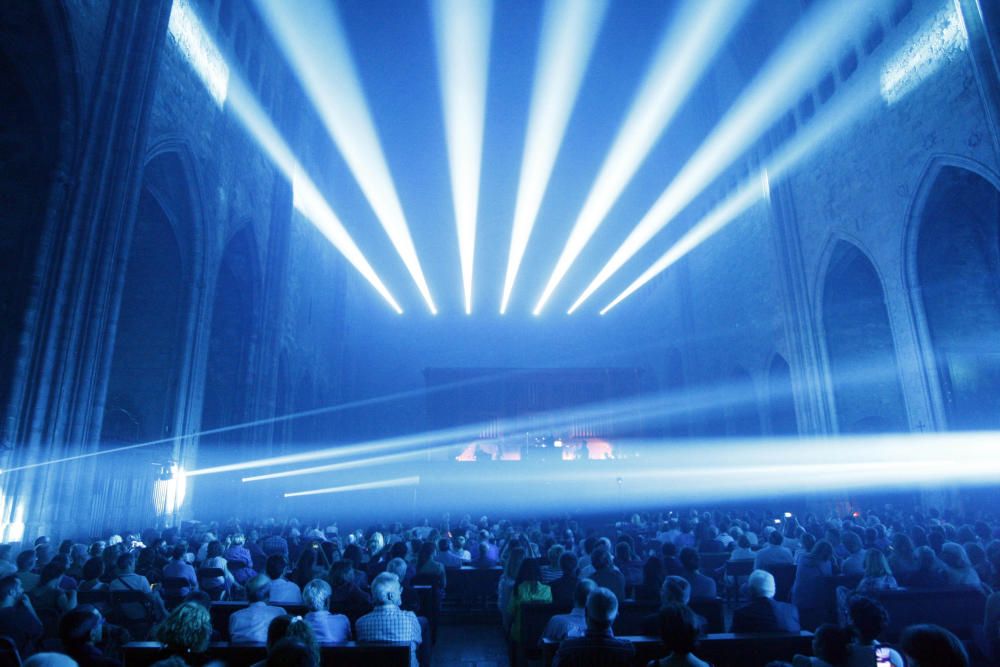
x=59 y=410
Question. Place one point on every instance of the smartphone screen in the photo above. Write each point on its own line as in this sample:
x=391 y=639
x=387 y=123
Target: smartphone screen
x=882 y=657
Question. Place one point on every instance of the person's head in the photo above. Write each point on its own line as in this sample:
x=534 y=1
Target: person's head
x=294 y=627
x=678 y=630
x=868 y=618
x=93 y=569
x=26 y=560
x=675 y=589
x=316 y=595
x=583 y=589
x=514 y=559
x=341 y=572
x=275 y=566
x=52 y=572
x=761 y=584
x=125 y=564
x=831 y=644
x=689 y=559
x=80 y=626
x=49 y=660
x=926 y=558
x=444 y=544
x=822 y=550
x=291 y=652
x=529 y=572
x=932 y=646
x=214 y=549
x=397 y=566
x=568 y=563
x=742 y=541
x=425 y=553
x=807 y=541
x=602 y=608
x=775 y=538
x=259 y=589
x=555 y=552
x=902 y=545
x=600 y=558
x=876 y=565
x=386 y=589
x=851 y=541
x=954 y=556
x=187 y=628
x=11 y=590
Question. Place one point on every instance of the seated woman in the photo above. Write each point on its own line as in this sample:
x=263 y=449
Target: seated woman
x=527 y=588
x=215 y=560
x=328 y=628
x=652 y=580
x=679 y=636
x=290 y=628
x=186 y=631
x=878 y=575
x=809 y=592
x=831 y=647
x=903 y=560
x=344 y=591
x=957 y=567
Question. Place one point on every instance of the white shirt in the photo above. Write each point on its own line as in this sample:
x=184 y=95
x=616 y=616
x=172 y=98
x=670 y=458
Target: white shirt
x=329 y=628
x=249 y=626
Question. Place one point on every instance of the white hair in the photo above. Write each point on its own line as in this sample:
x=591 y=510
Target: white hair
x=316 y=594
x=383 y=585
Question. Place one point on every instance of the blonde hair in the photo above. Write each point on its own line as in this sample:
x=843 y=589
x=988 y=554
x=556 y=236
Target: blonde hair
x=316 y=594
x=187 y=628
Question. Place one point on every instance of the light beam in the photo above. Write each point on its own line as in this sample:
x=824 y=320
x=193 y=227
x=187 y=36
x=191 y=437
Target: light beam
x=381 y=484
x=462 y=31
x=569 y=31
x=313 y=41
x=819 y=39
x=689 y=45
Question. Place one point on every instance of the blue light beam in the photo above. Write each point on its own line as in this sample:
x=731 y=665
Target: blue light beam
x=313 y=41
x=688 y=46
x=569 y=31
x=380 y=484
x=819 y=39
x=462 y=34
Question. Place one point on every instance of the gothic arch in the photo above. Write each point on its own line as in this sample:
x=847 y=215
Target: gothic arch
x=742 y=414
x=781 y=398
x=952 y=258
x=860 y=350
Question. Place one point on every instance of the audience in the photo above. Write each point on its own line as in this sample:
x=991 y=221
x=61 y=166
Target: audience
x=387 y=622
x=283 y=591
x=605 y=574
x=288 y=627
x=764 y=613
x=573 y=624
x=80 y=630
x=868 y=619
x=701 y=585
x=809 y=592
x=563 y=588
x=250 y=625
x=598 y=645
x=329 y=628
x=186 y=630
x=878 y=576
x=18 y=619
x=831 y=647
x=773 y=554
x=679 y=635
x=675 y=590
x=932 y=646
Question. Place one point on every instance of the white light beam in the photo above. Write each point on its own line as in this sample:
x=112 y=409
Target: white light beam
x=313 y=41
x=462 y=31
x=689 y=45
x=803 y=57
x=381 y=484
x=569 y=31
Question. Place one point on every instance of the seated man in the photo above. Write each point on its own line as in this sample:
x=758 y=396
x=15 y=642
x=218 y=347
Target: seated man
x=283 y=591
x=774 y=553
x=17 y=617
x=564 y=586
x=179 y=568
x=675 y=590
x=445 y=555
x=701 y=586
x=598 y=645
x=250 y=625
x=389 y=623
x=573 y=624
x=763 y=613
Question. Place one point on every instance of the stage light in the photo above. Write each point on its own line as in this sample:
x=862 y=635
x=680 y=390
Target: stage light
x=197 y=47
x=688 y=46
x=940 y=39
x=803 y=57
x=413 y=480
x=462 y=35
x=314 y=43
x=205 y=58
x=569 y=31
x=847 y=106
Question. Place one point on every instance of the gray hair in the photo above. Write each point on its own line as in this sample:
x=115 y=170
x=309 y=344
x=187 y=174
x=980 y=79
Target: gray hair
x=675 y=589
x=316 y=594
x=397 y=566
x=384 y=584
x=602 y=607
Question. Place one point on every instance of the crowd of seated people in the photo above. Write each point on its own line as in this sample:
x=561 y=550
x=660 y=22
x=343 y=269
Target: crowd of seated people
x=361 y=585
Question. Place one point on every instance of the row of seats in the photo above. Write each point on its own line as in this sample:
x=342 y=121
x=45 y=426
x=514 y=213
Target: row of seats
x=350 y=654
